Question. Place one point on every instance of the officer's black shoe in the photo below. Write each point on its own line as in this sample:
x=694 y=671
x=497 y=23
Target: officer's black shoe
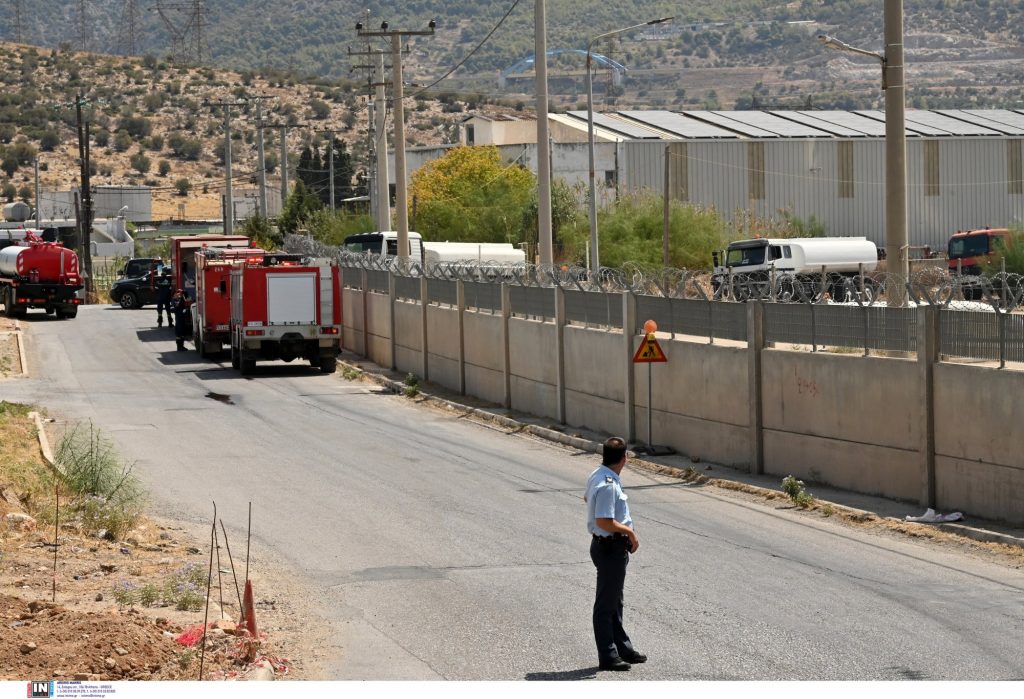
x=614 y=664
x=634 y=658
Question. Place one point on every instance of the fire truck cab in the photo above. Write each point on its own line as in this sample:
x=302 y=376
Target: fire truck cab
x=285 y=307
x=211 y=314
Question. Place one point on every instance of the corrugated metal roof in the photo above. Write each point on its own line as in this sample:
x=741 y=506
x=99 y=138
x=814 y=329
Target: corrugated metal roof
x=951 y=125
x=1002 y=120
x=821 y=124
x=620 y=126
x=849 y=120
x=912 y=128
x=679 y=124
x=718 y=119
x=773 y=124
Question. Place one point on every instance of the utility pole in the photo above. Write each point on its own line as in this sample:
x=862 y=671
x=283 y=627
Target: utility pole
x=85 y=219
x=540 y=61
x=401 y=193
x=284 y=164
x=129 y=28
x=381 y=148
x=84 y=33
x=229 y=208
x=38 y=216
x=261 y=168
x=895 y=155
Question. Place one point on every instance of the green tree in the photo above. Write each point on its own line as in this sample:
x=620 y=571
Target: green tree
x=182 y=185
x=10 y=191
x=470 y=195
x=49 y=140
x=298 y=209
x=164 y=168
x=631 y=230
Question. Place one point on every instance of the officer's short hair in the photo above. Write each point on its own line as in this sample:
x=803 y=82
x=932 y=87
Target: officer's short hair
x=613 y=451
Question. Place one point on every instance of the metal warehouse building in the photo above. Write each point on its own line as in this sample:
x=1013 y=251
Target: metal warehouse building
x=964 y=167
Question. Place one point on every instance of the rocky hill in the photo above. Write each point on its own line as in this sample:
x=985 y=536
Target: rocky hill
x=150 y=124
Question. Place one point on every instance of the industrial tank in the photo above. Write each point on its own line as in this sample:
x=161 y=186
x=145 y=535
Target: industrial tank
x=17 y=212
x=39 y=262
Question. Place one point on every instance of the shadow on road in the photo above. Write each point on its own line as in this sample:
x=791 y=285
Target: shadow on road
x=587 y=673
x=164 y=334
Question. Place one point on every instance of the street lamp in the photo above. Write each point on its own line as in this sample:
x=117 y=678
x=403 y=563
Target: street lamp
x=895 y=145
x=595 y=260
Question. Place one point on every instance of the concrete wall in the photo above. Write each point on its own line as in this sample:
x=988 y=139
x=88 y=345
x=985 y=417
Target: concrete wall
x=443 y=346
x=352 y=320
x=485 y=356
x=378 y=319
x=408 y=337
x=979 y=464
x=701 y=401
x=845 y=420
x=594 y=399
x=859 y=423
x=534 y=375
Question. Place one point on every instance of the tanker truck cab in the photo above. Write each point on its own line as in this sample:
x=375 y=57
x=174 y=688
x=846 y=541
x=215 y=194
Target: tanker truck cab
x=385 y=244
x=969 y=250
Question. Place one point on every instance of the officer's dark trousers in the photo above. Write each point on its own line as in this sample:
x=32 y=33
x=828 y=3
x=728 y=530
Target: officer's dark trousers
x=610 y=556
x=162 y=306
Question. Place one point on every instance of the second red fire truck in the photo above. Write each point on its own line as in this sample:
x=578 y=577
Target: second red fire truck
x=284 y=307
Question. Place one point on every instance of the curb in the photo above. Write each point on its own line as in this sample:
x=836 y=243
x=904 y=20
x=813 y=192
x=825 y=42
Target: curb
x=18 y=337
x=44 y=445
x=982 y=535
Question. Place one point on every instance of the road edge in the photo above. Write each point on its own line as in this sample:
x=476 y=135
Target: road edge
x=689 y=475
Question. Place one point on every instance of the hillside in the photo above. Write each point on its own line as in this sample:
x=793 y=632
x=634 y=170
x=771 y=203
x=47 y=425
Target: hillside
x=745 y=53
x=150 y=125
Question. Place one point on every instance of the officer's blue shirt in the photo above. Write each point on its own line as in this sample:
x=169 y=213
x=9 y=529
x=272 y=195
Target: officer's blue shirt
x=606 y=500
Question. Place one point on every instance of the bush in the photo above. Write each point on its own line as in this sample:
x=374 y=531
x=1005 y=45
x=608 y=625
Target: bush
x=795 y=490
x=183 y=186
x=105 y=493
x=49 y=140
x=136 y=127
x=1010 y=252
x=101 y=138
x=164 y=168
x=631 y=230
x=122 y=142
x=320 y=109
x=140 y=163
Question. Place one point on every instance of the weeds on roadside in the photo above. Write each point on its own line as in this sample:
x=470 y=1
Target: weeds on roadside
x=105 y=493
x=149 y=595
x=827 y=511
x=412 y=386
x=185 y=658
x=795 y=490
x=352 y=374
x=124 y=594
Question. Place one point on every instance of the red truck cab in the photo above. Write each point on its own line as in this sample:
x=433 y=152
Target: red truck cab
x=969 y=250
x=183 y=252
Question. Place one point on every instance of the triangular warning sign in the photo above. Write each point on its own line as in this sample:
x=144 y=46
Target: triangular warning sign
x=649 y=351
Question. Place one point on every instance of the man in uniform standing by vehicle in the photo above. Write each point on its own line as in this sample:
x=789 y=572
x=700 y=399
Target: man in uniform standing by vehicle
x=182 y=308
x=164 y=291
x=612 y=540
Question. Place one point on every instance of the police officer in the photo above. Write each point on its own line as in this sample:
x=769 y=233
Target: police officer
x=164 y=291
x=612 y=540
x=182 y=308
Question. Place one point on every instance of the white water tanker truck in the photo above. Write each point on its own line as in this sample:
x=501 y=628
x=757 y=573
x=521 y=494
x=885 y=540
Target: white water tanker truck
x=795 y=267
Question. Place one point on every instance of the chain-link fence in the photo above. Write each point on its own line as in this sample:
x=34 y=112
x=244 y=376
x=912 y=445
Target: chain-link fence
x=982 y=316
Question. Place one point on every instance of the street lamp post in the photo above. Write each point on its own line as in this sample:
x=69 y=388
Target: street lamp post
x=895 y=145
x=595 y=260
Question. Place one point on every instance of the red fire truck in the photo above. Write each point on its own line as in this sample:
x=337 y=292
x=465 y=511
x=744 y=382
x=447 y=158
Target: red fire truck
x=211 y=313
x=184 y=249
x=285 y=307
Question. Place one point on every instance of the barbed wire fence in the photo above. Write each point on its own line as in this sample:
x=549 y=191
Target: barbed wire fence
x=982 y=315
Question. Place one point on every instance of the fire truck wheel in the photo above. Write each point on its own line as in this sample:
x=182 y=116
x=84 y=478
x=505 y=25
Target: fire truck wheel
x=328 y=364
x=50 y=310
x=68 y=312
x=247 y=365
x=234 y=358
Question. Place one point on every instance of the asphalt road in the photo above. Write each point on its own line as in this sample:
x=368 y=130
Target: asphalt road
x=438 y=548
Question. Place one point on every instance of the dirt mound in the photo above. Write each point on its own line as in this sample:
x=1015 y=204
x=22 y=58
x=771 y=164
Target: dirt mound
x=47 y=641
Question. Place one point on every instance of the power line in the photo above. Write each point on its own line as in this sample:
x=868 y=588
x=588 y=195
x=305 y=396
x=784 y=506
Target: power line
x=470 y=54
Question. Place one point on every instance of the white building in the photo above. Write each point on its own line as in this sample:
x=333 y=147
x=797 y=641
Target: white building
x=965 y=168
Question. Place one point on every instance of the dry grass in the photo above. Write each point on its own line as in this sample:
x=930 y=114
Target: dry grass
x=25 y=482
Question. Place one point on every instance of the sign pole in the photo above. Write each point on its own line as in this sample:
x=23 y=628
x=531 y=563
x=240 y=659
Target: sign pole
x=650 y=409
